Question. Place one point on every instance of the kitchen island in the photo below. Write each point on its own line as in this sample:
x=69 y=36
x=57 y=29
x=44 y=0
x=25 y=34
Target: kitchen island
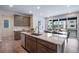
x=44 y=43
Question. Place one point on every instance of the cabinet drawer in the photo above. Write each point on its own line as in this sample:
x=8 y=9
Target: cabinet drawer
x=43 y=49
x=30 y=44
x=48 y=44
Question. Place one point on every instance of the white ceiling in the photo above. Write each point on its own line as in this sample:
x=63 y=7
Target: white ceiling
x=45 y=10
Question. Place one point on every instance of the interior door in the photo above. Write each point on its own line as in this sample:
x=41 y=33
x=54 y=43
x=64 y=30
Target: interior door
x=7 y=26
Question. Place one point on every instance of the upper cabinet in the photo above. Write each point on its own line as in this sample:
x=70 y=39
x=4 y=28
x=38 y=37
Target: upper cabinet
x=26 y=21
x=20 y=20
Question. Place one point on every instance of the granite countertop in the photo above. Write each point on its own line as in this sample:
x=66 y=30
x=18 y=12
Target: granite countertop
x=53 y=38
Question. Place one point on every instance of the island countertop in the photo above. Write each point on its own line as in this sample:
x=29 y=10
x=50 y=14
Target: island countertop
x=53 y=38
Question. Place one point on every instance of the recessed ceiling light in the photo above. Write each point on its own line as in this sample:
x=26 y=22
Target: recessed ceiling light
x=10 y=5
x=38 y=7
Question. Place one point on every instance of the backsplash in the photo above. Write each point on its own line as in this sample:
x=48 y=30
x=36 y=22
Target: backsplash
x=19 y=28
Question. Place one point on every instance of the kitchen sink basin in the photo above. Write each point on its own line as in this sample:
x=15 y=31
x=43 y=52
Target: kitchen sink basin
x=36 y=34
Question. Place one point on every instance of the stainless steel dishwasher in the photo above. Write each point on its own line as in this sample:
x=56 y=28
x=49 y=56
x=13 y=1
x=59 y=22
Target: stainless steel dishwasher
x=23 y=40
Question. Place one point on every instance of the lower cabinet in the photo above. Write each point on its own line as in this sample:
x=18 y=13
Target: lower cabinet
x=43 y=49
x=17 y=35
x=34 y=45
x=44 y=46
x=30 y=44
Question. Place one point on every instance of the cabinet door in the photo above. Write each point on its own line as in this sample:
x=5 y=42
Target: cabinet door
x=26 y=21
x=18 y=20
x=48 y=44
x=30 y=44
x=17 y=35
x=43 y=49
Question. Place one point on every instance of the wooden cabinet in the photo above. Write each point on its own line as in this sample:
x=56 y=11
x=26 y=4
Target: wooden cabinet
x=35 y=45
x=30 y=44
x=47 y=44
x=46 y=47
x=20 y=20
x=17 y=35
x=26 y=21
x=43 y=49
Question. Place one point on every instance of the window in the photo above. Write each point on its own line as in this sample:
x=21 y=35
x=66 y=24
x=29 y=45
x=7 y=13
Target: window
x=6 y=23
x=72 y=26
x=71 y=21
x=50 y=25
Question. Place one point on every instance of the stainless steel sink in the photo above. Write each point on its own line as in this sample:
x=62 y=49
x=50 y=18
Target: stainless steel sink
x=37 y=34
